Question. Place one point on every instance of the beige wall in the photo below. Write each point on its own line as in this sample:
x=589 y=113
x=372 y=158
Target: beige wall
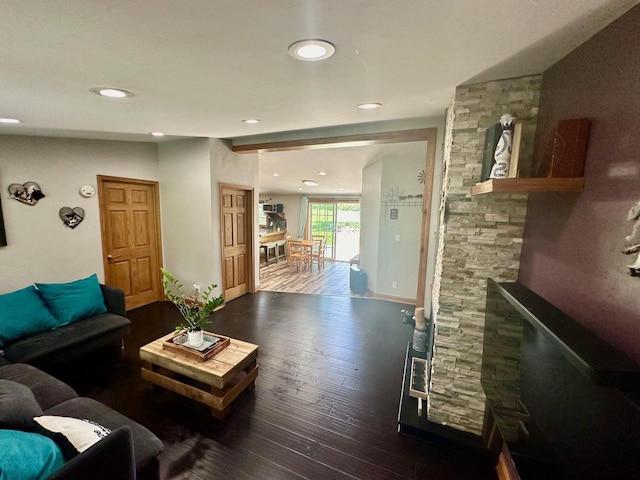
x=185 y=200
x=191 y=172
x=40 y=247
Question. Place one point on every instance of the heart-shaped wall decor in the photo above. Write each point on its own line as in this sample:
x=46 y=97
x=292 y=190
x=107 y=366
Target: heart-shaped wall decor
x=28 y=192
x=72 y=217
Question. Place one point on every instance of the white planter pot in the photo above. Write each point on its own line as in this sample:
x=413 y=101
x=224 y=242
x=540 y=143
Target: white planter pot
x=195 y=338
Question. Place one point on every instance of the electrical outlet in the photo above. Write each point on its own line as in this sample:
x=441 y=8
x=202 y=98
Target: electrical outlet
x=394 y=284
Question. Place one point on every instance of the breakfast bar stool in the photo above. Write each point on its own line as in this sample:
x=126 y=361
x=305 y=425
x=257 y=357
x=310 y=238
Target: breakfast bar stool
x=271 y=246
x=281 y=249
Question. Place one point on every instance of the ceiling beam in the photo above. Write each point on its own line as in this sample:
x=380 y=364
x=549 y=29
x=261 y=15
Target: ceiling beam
x=359 y=140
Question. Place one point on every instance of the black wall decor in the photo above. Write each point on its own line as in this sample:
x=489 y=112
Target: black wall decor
x=3 y=235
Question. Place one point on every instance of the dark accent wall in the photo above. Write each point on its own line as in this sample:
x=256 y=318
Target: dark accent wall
x=572 y=247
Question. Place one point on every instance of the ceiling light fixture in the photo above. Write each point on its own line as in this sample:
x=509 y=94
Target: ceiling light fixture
x=341 y=189
x=275 y=175
x=251 y=121
x=310 y=183
x=157 y=134
x=300 y=189
x=322 y=173
x=369 y=106
x=311 y=50
x=10 y=120
x=111 y=92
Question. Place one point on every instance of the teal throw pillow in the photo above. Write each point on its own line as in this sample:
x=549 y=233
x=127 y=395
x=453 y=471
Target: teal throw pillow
x=28 y=455
x=73 y=301
x=23 y=313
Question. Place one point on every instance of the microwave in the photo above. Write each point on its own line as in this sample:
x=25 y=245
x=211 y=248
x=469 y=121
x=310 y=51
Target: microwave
x=273 y=207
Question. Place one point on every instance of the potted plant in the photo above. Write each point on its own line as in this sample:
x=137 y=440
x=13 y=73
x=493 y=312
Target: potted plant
x=195 y=308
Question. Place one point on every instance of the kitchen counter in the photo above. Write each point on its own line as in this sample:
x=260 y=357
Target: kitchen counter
x=267 y=236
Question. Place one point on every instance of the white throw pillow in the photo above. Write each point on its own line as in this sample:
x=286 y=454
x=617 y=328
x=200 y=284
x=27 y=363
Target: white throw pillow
x=73 y=435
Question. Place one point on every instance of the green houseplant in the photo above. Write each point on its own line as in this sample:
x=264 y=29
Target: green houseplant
x=195 y=308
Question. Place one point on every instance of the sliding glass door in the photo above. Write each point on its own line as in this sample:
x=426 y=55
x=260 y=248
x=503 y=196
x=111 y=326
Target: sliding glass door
x=339 y=223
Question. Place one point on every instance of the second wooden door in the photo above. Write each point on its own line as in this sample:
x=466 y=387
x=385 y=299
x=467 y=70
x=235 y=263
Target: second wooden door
x=236 y=215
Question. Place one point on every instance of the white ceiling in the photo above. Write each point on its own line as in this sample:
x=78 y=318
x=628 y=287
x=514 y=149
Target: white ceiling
x=343 y=168
x=199 y=67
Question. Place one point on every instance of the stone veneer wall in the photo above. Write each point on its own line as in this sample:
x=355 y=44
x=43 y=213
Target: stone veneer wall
x=480 y=237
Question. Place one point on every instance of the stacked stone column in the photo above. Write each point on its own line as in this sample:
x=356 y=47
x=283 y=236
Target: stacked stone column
x=480 y=237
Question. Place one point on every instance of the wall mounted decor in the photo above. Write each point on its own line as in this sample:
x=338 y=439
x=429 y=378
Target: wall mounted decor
x=502 y=155
x=633 y=239
x=87 y=191
x=3 y=235
x=72 y=217
x=28 y=192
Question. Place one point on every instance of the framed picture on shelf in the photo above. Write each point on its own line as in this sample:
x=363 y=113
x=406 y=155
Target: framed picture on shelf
x=514 y=165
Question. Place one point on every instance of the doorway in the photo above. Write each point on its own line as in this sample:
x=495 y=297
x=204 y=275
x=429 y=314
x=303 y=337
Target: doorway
x=426 y=251
x=131 y=244
x=339 y=223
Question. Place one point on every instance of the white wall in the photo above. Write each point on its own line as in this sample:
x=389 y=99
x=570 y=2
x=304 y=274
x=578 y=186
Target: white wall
x=40 y=247
x=398 y=261
x=370 y=221
x=185 y=199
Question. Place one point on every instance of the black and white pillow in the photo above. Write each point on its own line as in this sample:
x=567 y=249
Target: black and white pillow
x=72 y=435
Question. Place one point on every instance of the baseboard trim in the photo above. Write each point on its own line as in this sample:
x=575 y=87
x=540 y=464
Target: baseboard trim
x=372 y=294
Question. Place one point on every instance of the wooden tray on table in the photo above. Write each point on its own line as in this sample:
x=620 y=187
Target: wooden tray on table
x=213 y=343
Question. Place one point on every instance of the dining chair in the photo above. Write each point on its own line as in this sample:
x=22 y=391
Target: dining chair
x=300 y=254
x=317 y=254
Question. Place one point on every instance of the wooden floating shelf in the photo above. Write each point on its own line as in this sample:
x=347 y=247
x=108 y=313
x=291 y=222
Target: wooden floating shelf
x=525 y=185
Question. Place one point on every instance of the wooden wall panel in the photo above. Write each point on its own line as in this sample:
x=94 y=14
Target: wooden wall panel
x=242 y=269
x=121 y=272
x=240 y=239
x=118 y=229
x=144 y=277
x=229 y=272
x=228 y=229
x=141 y=226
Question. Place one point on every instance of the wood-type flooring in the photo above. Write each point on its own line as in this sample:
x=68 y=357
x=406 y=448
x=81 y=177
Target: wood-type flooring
x=324 y=407
x=332 y=280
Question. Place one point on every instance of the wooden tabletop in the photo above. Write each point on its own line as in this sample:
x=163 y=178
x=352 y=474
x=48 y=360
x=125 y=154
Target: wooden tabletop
x=216 y=371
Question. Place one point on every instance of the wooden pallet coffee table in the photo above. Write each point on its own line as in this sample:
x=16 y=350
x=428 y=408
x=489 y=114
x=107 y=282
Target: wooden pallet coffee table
x=228 y=373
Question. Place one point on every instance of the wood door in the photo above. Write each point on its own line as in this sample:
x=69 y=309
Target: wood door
x=129 y=218
x=236 y=214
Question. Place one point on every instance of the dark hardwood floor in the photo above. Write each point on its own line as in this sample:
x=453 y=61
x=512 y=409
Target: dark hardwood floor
x=324 y=407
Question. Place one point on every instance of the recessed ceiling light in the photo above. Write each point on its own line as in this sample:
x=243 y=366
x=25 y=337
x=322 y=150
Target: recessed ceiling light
x=311 y=50
x=341 y=189
x=369 y=106
x=157 y=134
x=251 y=121
x=9 y=120
x=322 y=173
x=111 y=92
x=300 y=188
x=310 y=183
x=275 y=175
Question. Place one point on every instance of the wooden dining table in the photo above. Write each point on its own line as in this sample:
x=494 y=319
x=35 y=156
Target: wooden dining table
x=300 y=253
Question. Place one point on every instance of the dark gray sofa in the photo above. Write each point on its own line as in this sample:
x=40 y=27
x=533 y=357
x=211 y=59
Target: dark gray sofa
x=48 y=349
x=130 y=452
